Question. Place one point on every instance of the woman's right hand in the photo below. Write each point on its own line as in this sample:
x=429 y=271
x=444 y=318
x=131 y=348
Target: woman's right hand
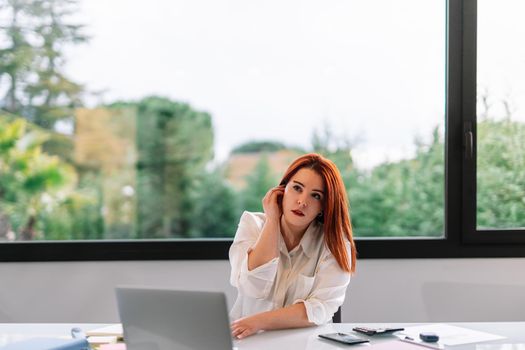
x=271 y=203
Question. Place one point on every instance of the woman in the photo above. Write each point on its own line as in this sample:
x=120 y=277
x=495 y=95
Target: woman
x=292 y=264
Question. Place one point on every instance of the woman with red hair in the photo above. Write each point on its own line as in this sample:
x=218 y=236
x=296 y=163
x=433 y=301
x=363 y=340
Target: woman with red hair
x=291 y=265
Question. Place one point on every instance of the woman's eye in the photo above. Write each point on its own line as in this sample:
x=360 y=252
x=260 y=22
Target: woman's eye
x=317 y=196
x=297 y=188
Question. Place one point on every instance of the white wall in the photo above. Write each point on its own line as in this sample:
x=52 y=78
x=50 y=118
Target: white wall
x=382 y=291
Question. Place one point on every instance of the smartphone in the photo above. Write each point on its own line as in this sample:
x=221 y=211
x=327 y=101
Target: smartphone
x=344 y=338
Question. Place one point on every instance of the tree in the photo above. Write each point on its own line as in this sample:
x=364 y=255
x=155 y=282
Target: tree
x=53 y=95
x=216 y=210
x=257 y=185
x=31 y=181
x=17 y=53
x=33 y=60
x=403 y=198
x=174 y=144
x=259 y=146
x=500 y=174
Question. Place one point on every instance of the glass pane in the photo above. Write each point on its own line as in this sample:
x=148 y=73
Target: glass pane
x=167 y=119
x=501 y=115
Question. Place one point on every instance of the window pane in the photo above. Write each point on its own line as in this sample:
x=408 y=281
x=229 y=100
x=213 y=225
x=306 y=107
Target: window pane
x=501 y=115
x=168 y=119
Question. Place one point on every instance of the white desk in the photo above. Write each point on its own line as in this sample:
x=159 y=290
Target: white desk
x=306 y=338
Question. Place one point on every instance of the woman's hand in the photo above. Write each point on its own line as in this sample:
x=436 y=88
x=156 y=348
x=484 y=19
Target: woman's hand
x=246 y=326
x=271 y=203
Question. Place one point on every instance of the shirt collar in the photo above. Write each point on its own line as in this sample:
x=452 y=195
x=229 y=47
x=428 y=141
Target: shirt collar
x=309 y=238
x=308 y=241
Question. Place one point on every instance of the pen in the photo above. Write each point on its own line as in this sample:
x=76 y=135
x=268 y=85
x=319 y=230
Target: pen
x=428 y=345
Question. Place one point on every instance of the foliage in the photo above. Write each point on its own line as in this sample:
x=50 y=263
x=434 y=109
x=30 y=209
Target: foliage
x=500 y=174
x=259 y=146
x=174 y=143
x=31 y=181
x=404 y=198
x=216 y=211
x=32 y=59
x=258 y=184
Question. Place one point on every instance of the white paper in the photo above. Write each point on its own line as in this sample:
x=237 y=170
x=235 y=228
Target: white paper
x=501 y=347
x=451 y=335
x=114 y=329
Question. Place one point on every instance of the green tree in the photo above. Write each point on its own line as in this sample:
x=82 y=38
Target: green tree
x=500 y=174
x=259 y=146
x=53 y=96
x=257 y=185
x=31 y=181
x=403 y=198
x=17 y=54
x=216 y=210
x=174 y=144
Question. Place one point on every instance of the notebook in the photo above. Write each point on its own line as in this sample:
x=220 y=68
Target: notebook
x=167 y=319
x=48 y=344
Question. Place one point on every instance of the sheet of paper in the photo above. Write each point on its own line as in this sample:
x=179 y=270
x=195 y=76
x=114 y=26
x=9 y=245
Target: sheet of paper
x=392 y=345
x=451 y=335
x=500 y=347
x=111 y=330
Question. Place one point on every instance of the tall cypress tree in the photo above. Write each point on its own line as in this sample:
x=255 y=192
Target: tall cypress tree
x=53 y=95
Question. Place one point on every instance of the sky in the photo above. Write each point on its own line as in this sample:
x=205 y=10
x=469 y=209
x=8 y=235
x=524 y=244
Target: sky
x=374 y=70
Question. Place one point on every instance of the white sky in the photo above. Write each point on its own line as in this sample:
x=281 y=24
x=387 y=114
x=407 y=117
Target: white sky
x=277 y=69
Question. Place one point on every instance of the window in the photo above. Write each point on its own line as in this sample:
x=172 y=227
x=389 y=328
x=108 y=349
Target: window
x=146 y=140
x=497 y=206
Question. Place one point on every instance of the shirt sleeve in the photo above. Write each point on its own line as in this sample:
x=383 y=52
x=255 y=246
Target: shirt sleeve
x=328 y=291
x=258 y=282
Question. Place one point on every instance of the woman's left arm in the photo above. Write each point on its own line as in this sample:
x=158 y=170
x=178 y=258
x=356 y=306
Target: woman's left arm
x=293 y=316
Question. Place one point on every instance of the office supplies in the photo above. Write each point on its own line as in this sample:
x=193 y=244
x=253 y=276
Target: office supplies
x=96 y=340
x=429 y=337
x=167 y=319
x=344 y=338
x=419 y=342
x=373 y=331
x=77 y=333
x=119 y=346
x=48 y=344
x=111 y=330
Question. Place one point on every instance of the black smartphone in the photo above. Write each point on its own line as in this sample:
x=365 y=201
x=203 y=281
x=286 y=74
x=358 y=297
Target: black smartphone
x=344 y=338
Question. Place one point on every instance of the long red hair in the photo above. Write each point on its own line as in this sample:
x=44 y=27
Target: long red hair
x=336 y=217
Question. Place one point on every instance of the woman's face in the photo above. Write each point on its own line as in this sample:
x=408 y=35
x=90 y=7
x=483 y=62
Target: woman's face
x=303 y=197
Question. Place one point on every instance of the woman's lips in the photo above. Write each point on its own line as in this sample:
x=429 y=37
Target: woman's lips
x=298 y=212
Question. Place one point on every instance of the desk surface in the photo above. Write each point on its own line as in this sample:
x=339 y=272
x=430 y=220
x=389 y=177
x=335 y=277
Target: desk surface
x=306 y=338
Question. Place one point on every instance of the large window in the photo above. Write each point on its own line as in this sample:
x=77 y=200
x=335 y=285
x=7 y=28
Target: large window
x=500 y=115
x=132 y=131
x=496 y=204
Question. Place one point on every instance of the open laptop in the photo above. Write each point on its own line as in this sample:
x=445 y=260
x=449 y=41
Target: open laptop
x=167 y=319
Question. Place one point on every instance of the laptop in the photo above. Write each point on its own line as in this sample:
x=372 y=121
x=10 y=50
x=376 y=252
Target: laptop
x=167 y=319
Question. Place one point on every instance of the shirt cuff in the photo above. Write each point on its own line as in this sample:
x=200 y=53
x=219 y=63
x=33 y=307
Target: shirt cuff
x=315 y=311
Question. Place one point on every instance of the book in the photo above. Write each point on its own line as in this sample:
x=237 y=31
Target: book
x=118 y=346
x=114 y=330
x=48 y=344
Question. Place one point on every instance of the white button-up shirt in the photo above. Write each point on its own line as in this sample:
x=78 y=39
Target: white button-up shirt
x=309 y=274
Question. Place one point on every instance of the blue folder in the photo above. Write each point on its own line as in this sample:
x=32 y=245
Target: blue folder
x=48 y=344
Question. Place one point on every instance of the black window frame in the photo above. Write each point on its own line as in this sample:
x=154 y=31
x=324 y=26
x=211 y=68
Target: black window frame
x=461 y=239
